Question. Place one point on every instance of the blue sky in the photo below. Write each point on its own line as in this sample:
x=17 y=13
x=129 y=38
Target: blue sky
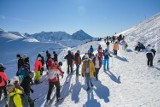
x=96 y=17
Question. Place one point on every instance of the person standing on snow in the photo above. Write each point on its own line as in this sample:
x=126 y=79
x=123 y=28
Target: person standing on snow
x=3 y=81
x=42 y=61
x=150 y=55
x=55 y=57
x=91 y=49
x=88 y=71
x=53 y=74
x=106 y=55
x=20 y=63
x=97 y=60
x=115 y=48
x=37 y=68
x=69 y=58
x=77 y=62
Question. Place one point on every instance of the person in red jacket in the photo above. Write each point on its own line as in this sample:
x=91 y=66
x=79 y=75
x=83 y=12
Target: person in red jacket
x=53 y=75
x=3 y=81
x=37 y=67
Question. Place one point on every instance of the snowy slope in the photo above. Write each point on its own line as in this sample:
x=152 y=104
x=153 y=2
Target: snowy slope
x=146 y=32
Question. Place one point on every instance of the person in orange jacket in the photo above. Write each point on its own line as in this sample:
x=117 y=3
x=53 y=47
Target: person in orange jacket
x=37 y=67
x=115 y=48
x=3 y=81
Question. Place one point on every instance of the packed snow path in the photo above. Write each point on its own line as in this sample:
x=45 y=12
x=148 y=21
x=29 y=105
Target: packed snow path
x=128 y=83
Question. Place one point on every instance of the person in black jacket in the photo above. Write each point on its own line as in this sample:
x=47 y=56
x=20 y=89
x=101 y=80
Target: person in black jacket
x=55 y=56
x=26 y=85
x=20 y=61
x=69 y=58
x=150 y=55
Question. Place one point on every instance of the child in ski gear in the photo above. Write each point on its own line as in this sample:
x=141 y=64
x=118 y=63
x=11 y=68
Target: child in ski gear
x=69 y=58
x=150 y=55
x=115 y=48
x=37 y=68
x=53 y=74
x=88 y=70
x=106 y=55
x=97 y=60
x=77 y=61
x=16 y=97
x=3 y=81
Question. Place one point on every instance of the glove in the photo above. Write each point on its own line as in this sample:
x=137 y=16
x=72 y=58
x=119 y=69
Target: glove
x=32 y=91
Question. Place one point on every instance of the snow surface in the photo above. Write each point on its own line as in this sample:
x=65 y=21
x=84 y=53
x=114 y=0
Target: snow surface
x=128 y=83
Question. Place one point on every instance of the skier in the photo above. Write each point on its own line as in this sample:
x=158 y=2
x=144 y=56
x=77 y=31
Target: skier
x=26 y=85
x=53 y=74
x=3 y=80
x=55 y=57
x=16 y=97
x=106 y=55
x=88 y=70
x=115 y=48
x=97 y=60
x=150 y=55
x=69 y=58
x=20 y=62
x=48 y=55
x=42 y=61
x=91 y=49
x=78 y=62
x=37 y=68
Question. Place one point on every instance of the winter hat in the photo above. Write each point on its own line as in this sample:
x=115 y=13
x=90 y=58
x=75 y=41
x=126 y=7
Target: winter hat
x=18 y=55
x=2 y=67
x=39 y=58
x=60 y=63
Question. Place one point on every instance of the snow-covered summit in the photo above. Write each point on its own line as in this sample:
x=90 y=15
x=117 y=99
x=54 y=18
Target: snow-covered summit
x=81 y=35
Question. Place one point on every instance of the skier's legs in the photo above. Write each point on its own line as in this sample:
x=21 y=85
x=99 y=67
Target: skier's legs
x=57 y=84
x=51 y=85
x=107 y=60
x=104 y=66
x=87 y=78
x=77 y=69
x=0 y=92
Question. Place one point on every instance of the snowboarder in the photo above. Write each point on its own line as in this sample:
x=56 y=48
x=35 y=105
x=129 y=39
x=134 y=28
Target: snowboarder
x=69 y=58
x=97 y=60
x=150 y=55
x=37 y=68
x=53 y=74
x=3 y=80
x=115 y=48
x=88 y=70
x=78 y=62
x=106 y=55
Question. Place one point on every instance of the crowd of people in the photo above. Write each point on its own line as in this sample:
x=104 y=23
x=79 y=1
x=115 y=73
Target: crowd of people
x=90 y=63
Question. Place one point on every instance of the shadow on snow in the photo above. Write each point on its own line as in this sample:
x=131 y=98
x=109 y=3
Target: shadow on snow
x=113 y=77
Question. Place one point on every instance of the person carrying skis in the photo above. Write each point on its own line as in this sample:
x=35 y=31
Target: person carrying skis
x=97 y=60
x=78 y=62
x=53 y=74
x=88 y=70
x=69 y=58
x=150 y=55
x=3 y=81
x=115 y=48
x=106 y=55
x=37 y=68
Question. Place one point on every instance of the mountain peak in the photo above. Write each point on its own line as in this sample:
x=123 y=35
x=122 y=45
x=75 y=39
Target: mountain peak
x=81 y=35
